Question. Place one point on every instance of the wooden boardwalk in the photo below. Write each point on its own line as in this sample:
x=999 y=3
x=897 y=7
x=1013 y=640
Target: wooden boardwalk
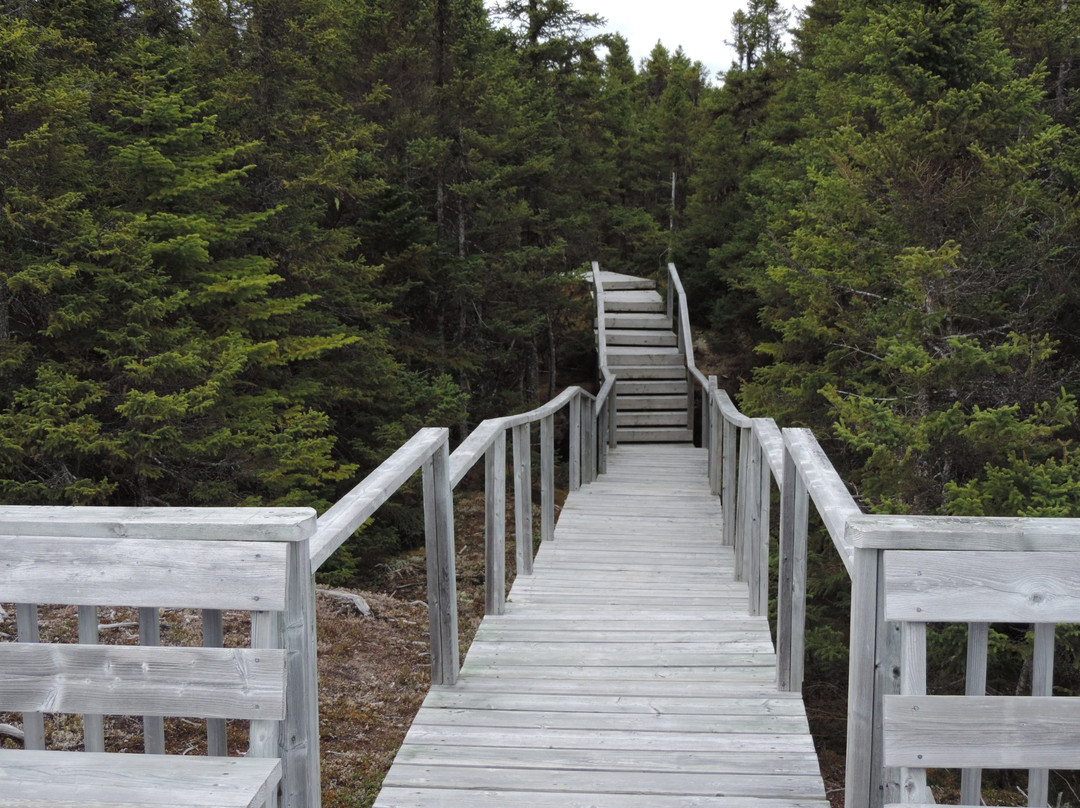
x=625 y=673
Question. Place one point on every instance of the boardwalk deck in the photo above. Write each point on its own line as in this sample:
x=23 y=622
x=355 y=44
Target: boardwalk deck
x=625 y=673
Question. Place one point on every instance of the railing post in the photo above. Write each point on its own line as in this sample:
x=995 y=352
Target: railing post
x=575 y=443
x=729 y=481
x=299 y=737
x=588 y=441
x=791 y=580
x=442 y=578
x=759 y=556
x=523 y=499
x=706 y=422
x=495 y=526
x=743 y=506
x=671 y=298
x=602 y=436
x=547 y=478
x=864 y=779
x=613 y=413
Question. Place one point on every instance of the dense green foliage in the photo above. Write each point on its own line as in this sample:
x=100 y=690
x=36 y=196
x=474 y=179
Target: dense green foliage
x=248 y=247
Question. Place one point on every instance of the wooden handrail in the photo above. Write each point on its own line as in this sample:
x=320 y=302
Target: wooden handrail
x=357 y=506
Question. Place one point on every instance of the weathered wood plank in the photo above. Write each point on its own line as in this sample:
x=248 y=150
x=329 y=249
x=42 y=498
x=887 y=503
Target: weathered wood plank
x=202 y=524
x=197 y=574
x=412 y=797
x=495 y=526
x=135 y=680
x=56 y=779
x=626 y=665
x=999 y=732
x=982 y=586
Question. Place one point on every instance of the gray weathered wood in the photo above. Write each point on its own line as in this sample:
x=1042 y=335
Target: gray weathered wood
x=357 y=506
x=93 y=723
x=33 y=722
x=157 y=681
x=442 y=576
x=495 y=527
x=153 y=725
x=197 y=574
x=834 y=503
x=547 y=478
x=786 y=638
x=985 y=533
x=974 y=685
x=523 y=538
x=213 y=636
x=94 y=780
x=913 y=683
x=772 y=444
x=203 y=524
x=265 y=741
x=861 y=777
x=627 y=662
x=991 y=586
x=759 y=578
x=729 y=480
x=301 y=783
x=1000 y=732
x=745 y=508
x=1042 y=684
x=575 y=444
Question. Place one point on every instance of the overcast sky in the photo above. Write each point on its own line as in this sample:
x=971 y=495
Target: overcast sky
x=700 y=26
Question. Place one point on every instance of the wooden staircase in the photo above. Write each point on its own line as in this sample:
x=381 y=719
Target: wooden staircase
x=651 y=390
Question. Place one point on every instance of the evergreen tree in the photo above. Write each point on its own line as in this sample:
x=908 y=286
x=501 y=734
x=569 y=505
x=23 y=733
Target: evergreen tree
x=906 y=278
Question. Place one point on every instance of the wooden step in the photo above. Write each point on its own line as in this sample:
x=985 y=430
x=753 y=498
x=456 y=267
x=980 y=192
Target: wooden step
x=631 y=320
x=655 y=435
x=615 y=282
x=649 y=372
x=639 y=336
x=658 y=418
x=636 y=301
x=633 y=403
x=650 y=387
x=640 y=356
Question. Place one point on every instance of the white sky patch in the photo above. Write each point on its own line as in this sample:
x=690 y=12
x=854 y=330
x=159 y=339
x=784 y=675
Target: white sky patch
x=702 y=28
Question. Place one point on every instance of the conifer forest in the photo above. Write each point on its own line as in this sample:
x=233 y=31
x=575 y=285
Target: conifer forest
x=249 y=246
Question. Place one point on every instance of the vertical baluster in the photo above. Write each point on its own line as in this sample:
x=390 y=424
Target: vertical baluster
x=913 y=683
x=264 y=736
x=93 y=725
x=728 y=481
x=575 y=443
x=759 y=596
x=153 y=725
x=547 y=478
x=213 y=636
x=495 y=526
x=1042 y=684
x=975 y=685
x=523 y=499
x=33 y=723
